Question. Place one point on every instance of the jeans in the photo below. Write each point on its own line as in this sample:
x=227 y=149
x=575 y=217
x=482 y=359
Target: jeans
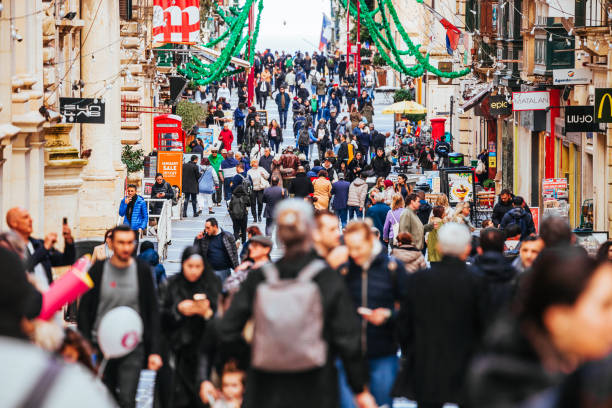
x=304 y=149
x=218 y=194
x=261 y=100
x=269 y=226
x=354 y=212
x=240 y=135
x=291 y=88
x=223 y=274
x=256 y=204
x=274 y=145
x=194 y=203
x=342 y=213
x=227 y=189
x=122 y=374
x=382 y=370
x=240 y=227
x=370 y=92
x=283 y=118
x=321 y=98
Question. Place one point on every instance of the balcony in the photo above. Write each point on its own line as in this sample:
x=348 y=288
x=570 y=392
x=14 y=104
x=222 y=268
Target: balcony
x=590 y=13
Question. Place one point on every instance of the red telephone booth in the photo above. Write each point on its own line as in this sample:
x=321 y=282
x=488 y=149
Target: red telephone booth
x=437 y=128
x=168 y=134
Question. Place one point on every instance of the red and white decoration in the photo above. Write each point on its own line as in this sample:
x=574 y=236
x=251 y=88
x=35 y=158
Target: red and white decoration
x=176 y=21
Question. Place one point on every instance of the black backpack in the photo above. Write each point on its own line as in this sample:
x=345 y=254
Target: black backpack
x=304 y=138
x=247 y=185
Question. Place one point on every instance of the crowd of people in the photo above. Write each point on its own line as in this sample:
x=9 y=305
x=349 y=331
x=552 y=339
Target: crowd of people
x=380 y=292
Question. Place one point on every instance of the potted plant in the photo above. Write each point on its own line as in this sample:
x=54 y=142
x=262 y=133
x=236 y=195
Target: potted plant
x=133 y=158
x=489 y=185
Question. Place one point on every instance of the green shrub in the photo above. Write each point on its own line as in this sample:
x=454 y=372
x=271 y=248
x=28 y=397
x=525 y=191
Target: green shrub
x=488 y=183
x=191 y=113
x=402 y=95
x=132 y=158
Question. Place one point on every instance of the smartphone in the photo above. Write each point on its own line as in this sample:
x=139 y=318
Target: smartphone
x=364 y=311
x=65 y=221
x=199 y=296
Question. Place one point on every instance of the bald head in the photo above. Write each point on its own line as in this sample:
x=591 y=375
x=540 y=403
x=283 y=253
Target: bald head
x=301 y=169
x=19 y=220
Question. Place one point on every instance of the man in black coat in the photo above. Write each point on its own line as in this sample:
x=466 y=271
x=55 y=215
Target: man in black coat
x=191 y=175
x=265 y=162
x=502 y=206
x=301 y=186
x=123 y=281
x=439 y=324
x=161 y=190
x=317 y=387
x=218 y=247
x=41 y=255
x=271 y=197
x=379 y=140
x=380 y=164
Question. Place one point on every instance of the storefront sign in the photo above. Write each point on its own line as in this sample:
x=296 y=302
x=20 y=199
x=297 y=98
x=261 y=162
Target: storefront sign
x=578 y=76
x=526 y=101
x=603 y=105
x=82 y=110
x=493 y=161
x=579 y=119
x=499 y=105
x=170 y=164
x=263 y=117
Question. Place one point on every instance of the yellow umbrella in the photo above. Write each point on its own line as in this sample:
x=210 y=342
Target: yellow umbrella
x=405 y=107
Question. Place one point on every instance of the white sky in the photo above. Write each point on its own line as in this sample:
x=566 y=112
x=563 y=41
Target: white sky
x=302 y=30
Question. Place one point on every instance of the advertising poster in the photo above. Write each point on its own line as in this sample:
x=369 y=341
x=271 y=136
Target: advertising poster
x=555 y=197
x=170 y=164
x=460 y=187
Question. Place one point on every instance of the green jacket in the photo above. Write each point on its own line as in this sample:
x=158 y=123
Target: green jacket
x=432 y=240
x=216 y=162
x=410 y=222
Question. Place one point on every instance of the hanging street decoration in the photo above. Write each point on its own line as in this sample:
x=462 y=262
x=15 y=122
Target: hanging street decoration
x=176 y=21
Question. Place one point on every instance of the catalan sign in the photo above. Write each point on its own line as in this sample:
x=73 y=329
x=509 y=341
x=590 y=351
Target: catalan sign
x=527 y=101
x=580 y=119
x=499 y=105
x=603 y=105
x=82 y=110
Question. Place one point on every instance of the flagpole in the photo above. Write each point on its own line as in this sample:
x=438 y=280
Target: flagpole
x=348 y=36
x=251 y=73
x=358 y=56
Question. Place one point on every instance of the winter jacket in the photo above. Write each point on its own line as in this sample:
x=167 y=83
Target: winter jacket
x=499 y=210
x=424 y=211
x=322 y=191
x=228 y=242
x=411 y=257
x=520 y=217
x=340 y=331
x=227 y=137
x=258 y=176
x=152 y=258
x=289 y=164
x=191 y=175
x=265 y=162
x=393 y=217
x=433 y=255
x=279 y=135
x=379 y=140
x=147 y=302
x=321 y=88
x=239 y=117
x=208 y=181
x=378 y=214
x=438 y=329
x=165 y=188
x=140 y=215
x=239 y=204
x=340 y=191
x=357 y=193
x=279 y=101
x=301 y=186
x=498 y=278
x=410 y=222
x=272 y=196
x=381 y=166
x=384 y=286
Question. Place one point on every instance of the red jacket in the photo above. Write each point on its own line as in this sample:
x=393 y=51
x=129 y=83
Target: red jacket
x=227 y=137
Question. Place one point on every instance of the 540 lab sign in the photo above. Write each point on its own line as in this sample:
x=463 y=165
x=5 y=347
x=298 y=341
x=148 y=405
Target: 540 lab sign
x=82 y=110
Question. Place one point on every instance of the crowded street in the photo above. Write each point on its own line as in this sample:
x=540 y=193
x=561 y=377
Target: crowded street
x=330 y=204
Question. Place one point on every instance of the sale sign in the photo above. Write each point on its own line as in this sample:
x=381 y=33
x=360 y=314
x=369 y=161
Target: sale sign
x=176 y=21
x=170 y=164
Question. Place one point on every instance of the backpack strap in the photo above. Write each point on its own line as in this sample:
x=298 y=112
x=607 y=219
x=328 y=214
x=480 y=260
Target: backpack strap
x=40 y=391
x=311 y=270
x=270 y=272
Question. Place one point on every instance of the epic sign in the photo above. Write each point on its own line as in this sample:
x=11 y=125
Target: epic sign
x=499 y=105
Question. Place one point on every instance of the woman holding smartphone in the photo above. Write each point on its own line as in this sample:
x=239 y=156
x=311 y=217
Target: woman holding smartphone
x=189 y=300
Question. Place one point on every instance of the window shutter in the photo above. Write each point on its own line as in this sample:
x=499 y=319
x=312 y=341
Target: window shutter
x=125 y=9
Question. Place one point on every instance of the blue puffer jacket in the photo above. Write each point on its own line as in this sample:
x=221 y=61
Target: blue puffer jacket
x=386 y=283
x=140 y=215
x=152 y=258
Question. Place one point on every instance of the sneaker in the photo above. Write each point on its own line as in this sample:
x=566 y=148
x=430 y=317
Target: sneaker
x=211 y=212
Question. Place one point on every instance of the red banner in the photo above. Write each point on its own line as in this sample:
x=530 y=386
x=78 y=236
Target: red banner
x=176 y=21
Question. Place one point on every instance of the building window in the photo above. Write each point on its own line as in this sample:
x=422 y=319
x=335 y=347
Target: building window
x=540 y=51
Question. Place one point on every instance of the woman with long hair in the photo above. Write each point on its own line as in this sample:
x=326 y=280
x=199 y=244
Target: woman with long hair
x=275 y=135
x=462 y=215
x=188 y=301
x=322 y=191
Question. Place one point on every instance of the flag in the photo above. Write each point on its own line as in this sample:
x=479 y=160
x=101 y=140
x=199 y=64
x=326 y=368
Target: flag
x=176 y=21
x=452 y=32
x=325 y=32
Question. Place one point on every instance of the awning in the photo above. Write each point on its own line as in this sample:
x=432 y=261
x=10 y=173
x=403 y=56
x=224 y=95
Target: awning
x=476 y=99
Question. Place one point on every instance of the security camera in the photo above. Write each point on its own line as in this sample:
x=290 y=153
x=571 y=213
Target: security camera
x=18 y=37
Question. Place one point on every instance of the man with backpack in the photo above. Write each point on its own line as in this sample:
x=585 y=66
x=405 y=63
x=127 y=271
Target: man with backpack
x=520 y=216
x=241 y=178
x=301 y=306
x=304 y=139
x=238 y=208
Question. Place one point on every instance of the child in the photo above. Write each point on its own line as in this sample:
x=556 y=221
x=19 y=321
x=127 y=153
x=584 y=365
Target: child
x=75 y=349
x=232 y=387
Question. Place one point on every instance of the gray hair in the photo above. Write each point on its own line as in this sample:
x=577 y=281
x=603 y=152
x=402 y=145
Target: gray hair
x=453 y=239
x=378 y=197
x=295 y=223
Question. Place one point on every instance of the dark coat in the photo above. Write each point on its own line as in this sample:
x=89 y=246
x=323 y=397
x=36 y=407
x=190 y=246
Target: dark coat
x=301 y=186
x=49 y=258
x=271 y=197
x=266 y=163
x=438 y=328
x=165 y=188
x=191 y=175
x=184 y=333
x=147 y=302
x=229 y=242
x=378 y=140
x=313 y=388
x=498 y=280
x=424 y=211
x=340 y=191
x=522 y=218
x=381 y=166
x=499 y=210
x=386 y=281
x=378 y=214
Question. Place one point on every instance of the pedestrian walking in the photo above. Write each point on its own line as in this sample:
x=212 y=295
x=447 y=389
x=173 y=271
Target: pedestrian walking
x=215 y=160
x=133 y=209
x=358 y=192
x=391 y=227
x=275 y=135
x=519 y=216
x=503 y=205
x=378 y=214
x=207 y=186
x=380 y=164
x=259 y=178
x=239 y=122
x=322 y=191
x=271 y=197
x=406 y=252
x=410 y=222
x=340 y=194
x=226 y=137
x=283 y=101
x=323 y=318
x=123 y=281
x=191 y=176
x=228 y=169
x=161 y=190
x=218 y=247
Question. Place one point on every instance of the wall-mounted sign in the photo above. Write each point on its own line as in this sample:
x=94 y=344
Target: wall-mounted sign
x=580 y=119
x=574 y=76
x=535 y=100
x=82 y=110
x=499 y=105
x=603 y=105
x=445 y=66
